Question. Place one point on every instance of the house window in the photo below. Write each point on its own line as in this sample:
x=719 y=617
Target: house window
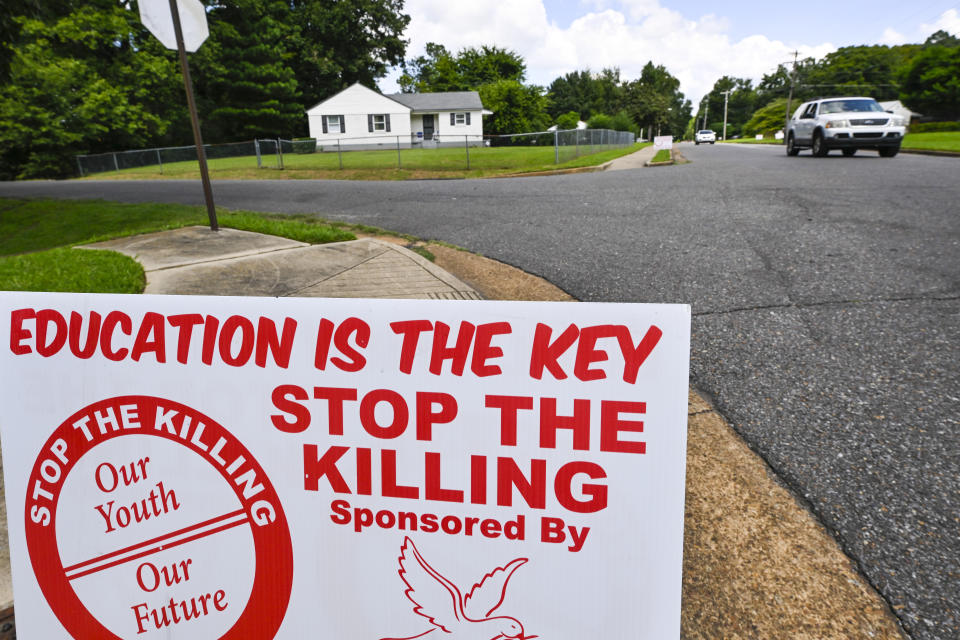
x=379 y=122
x=460 y=118
x=333 y=124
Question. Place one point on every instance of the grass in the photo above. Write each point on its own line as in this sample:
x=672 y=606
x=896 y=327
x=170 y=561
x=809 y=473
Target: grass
x=382 y=164
x=933 y=141
x=663 y=155
x=36 y=236
x=65 y=269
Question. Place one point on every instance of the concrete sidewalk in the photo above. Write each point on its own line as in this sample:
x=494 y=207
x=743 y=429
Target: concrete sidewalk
x=636 y=160
x=198 y=261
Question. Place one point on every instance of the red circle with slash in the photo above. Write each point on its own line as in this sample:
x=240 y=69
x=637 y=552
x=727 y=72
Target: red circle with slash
x=273 y=574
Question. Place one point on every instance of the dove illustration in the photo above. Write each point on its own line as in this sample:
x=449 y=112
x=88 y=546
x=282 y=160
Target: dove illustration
x=455 y=616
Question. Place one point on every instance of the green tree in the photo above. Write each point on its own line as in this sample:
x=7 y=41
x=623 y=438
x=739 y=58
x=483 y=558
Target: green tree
x=472 y=67
x=740 y=104
x=932 y=83
x=89 y=80
x=768 y=119
x=245 y=85
x=568 y=120
x=586 y=92
x=338 y=43
x=654 y=101
x=517 y=108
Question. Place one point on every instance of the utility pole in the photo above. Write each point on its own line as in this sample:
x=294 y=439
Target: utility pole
x=706 y=112
x=726 y=97
x=793 y=78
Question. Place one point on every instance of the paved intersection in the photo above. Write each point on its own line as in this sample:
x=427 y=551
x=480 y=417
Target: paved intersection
x=826 y=304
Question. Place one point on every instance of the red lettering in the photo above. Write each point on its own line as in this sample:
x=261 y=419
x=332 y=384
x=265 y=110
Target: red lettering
x=509 y=406
x=59 y=338
x=545 y=353
x=635 y=357
x=150 y=337
x=299 y=413
x=368 y=418
x=611 y=426
x=587 y=352
x=427 y=417
x=563 y=484
x=335 y=397
x=388 y=478
x=433 y=489
x=315 y=467
x=110 y=323
x=93 y=333
x=184 y=324
x=341 y=340
x=279 y=347
x=230 y=328
x=17 y=333
x=457 y=354
x=534 y=490
x=484 y=351
x=579 y=423
x=410 y=330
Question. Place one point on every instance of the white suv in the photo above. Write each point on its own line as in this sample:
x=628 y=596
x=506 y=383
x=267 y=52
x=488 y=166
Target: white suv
x=847 y=124
x=705 y=136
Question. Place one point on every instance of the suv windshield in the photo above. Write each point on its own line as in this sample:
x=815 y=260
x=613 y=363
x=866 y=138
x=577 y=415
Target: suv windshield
x=706 y=131
x=837 y=106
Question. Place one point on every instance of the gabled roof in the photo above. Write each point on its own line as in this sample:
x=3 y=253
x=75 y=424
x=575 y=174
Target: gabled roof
x=440 y=101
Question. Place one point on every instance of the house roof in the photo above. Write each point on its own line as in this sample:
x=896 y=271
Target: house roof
x=441 y=101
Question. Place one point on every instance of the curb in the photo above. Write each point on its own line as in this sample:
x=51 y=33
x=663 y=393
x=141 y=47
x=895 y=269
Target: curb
x=931 y=152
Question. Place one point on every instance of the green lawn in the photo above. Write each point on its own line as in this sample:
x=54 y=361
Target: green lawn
x=383 y=164
x=663 y=155
x=36 y=236
x=933 y=141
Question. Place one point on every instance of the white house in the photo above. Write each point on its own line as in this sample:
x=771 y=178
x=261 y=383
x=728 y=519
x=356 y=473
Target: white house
x=359 y=117
x=898 y=108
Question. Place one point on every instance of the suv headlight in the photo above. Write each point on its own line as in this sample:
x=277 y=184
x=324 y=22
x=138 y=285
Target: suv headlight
x=837 y=124
x=897 y=121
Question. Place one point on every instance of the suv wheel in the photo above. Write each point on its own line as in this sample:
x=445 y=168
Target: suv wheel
x=888 y=152
x=819 y=148
x=792 y=149
x=849 y=152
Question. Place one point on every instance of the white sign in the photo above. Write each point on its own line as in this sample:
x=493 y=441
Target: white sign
x=212 y=467
x=157 y=18
x=663 y=142
x=759 y=136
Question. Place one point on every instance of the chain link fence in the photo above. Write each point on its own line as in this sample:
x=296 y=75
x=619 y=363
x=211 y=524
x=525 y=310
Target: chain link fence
x=440 y=153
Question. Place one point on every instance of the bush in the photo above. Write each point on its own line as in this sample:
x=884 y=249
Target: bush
x=600 y=121
x=568 y=120
x=931 y=127
x=767 y=120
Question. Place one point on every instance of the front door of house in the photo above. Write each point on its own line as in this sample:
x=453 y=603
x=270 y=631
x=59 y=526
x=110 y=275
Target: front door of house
x=428 y=126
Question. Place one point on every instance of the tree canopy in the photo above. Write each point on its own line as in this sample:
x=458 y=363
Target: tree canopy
x=468 y=70
x=86 y=77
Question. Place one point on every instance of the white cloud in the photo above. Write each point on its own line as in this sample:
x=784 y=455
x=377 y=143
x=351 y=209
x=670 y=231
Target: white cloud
x=892 y=36
x=948 y=21
x=611 y=33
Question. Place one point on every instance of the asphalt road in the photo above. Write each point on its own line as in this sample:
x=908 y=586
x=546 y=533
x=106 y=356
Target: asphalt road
x=826 y=305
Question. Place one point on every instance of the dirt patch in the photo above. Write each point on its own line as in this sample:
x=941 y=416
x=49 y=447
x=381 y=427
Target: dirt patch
x=757 y=564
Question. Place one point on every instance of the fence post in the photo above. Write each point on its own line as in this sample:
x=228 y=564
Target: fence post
x=159 y=161
x=80 y=166
x=577 y=142
x=279 y=154
x=556 y=146
x=115 y=165
x=399 y=163
x=466 y=145
x=339 y=155
x=256 y=147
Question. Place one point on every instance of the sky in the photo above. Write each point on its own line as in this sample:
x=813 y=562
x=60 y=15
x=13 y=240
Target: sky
x=697 y=41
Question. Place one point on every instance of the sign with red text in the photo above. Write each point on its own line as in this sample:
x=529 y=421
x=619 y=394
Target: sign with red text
x=214 y=467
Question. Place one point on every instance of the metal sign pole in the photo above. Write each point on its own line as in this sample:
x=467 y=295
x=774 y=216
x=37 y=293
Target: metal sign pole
x=194 y=120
